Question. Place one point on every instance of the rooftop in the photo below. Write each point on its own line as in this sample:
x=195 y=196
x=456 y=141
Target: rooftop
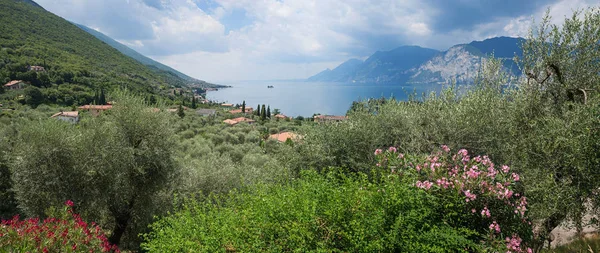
x=331 y=117
x=13 y=82
x=95 y=107
x=72 y=114
x=284 y=136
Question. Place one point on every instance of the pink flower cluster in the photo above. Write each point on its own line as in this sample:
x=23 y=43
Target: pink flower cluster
x=70 y=234
x=475 y=179
x=424 y=185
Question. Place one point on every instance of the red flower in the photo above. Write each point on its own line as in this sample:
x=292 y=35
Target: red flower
x=69 y=203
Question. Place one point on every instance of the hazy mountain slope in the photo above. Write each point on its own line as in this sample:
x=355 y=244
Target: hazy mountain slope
x=462 y=62
x=396 y=65
x=383 y=66
x=413 y=64
x=343 y=73
x=132 y=53
x=30 y=35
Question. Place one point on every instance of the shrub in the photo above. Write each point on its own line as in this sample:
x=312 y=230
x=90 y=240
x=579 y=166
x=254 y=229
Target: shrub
x=473 y=185
x=327 y=213
x=67 y=233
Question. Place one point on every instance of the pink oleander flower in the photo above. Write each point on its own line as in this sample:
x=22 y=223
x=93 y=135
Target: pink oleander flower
x=515 y=177
x=378 y=151
x=400 y=155
x=69 y=203
x=514 y=243
x=505 y=169
x=485 y=212
x=445 y=148
x=392 y=149
x=470 y=196
x=492 y=172
x=424 y=185
x=495 y=227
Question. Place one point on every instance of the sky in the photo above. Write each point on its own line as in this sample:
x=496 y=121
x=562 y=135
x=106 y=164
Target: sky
x=227 y=40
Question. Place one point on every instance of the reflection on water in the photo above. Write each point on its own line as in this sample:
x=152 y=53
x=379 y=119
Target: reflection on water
x=307 y=98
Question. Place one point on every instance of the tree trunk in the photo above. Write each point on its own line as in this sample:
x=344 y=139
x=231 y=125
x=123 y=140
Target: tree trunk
x=121 y=223
x=122 y=218
x=543 y=235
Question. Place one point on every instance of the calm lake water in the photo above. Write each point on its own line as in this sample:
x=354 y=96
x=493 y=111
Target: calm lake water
x=307 y=98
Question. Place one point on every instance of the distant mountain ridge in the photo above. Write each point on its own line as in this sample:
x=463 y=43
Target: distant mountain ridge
x=145 y=60
x=414 y=64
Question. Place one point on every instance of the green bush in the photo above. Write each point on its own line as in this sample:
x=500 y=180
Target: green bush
x=324 y=213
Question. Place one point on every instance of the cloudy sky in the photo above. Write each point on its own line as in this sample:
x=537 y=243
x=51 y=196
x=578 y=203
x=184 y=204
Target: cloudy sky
x=227 y=40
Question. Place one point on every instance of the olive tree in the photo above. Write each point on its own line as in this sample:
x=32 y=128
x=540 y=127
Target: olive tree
x=556 y=118
x=113 y=166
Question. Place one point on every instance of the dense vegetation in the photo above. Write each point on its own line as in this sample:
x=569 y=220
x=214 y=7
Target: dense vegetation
x=492 y=168
x=76 y=63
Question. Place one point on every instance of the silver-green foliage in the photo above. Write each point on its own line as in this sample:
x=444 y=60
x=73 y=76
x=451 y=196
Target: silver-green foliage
x=112 y=166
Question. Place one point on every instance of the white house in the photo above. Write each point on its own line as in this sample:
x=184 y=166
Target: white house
x=71 y=117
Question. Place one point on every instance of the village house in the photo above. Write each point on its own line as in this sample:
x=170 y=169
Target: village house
x=206 y=112
x=185 y=108
x=71 y=117
x=238 y=120
x=281 y=116
x=227 y=105
x=14 y=85
x=329 y=118
x=95 y=110
x=284 y=136
x=36 y=68
x=249 y=110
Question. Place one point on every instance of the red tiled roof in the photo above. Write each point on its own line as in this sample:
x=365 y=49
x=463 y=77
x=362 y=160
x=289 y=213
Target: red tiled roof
x=248 y=110
x=73 y=114
x=281 y=116
x=282 y=137
x=95 y=107
x=242 y=119
x=230 y=122
x=13 y=82
x=330 y=117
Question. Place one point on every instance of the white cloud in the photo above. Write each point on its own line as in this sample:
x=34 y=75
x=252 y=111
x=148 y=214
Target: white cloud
x=286 y=38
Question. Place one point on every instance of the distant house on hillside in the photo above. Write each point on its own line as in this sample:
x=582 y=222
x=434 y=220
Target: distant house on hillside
x=206 y=112
x=227 y=105
x=230 y=122
x=185 y=108
x=329 y=118
x=238 y=120
x=249 y=110
x=95 y=109
x=71 y=117
x=36 y=68
x=284 y=136
x=281 y=116
x=14 y=85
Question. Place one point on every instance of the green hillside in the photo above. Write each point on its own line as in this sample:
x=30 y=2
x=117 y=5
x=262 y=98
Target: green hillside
x=77 y=64
x=152 y=64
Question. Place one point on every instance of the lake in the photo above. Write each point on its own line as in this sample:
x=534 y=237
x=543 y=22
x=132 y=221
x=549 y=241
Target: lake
x=306 y=98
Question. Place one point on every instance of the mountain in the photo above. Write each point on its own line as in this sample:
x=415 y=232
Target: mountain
x=462 y=62
x=383 y=66
x=341 y=73
x=413 y=64
x=76 y=64
x=135 y=55
x=393 y=66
